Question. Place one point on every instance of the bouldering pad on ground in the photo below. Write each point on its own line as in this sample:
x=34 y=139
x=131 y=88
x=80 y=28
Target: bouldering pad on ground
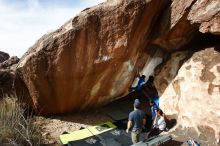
x=86 y=133
x=90 y=141
x=76 y=135
x=153 y=141
x=107 y=134
x=118 y=135
x=101 y=128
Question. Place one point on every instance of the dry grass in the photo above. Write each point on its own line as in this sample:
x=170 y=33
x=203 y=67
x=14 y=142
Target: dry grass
x=15 y=128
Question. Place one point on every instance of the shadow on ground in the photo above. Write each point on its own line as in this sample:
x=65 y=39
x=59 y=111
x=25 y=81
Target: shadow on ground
x=173 y=143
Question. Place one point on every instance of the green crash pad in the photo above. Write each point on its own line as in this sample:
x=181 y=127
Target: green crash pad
x=87 y=132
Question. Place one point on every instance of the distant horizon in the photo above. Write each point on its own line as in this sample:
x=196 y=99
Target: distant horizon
x=23 y=22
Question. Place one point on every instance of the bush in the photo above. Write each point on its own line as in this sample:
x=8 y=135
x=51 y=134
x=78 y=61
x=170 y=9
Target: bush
x=15 y=128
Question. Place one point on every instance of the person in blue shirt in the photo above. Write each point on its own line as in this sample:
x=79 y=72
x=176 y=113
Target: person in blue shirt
x=141 y=82
x=154 y=108
x=136 y=122
x=140 y=85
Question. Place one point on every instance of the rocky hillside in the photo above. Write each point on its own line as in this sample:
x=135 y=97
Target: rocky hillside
x=7 y=73
x=92 y=59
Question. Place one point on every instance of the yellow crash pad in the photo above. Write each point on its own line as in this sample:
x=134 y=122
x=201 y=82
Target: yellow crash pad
x=76 y=135
x=88 y=132
x=101 y=128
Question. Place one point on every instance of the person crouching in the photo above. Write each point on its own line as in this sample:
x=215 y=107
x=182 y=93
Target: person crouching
x=159 y=124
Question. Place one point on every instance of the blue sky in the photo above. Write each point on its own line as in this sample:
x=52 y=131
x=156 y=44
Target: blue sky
x=25 y=21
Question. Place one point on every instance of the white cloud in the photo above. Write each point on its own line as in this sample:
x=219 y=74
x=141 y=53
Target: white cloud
x=20 y=27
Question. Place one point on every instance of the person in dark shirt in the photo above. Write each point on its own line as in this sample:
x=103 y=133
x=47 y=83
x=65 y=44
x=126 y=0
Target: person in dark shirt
x=136 y=121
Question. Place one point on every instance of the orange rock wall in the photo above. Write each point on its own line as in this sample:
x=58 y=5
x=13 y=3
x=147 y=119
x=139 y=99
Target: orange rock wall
x=91 y=60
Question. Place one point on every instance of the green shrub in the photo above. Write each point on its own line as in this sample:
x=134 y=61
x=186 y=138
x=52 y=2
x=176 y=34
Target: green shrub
x=15 y=128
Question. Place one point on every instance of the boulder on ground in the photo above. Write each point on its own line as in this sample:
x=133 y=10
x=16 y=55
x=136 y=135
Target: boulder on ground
x=192 y=92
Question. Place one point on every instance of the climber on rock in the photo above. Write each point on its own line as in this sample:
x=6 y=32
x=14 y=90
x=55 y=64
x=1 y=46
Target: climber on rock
x=140 y=84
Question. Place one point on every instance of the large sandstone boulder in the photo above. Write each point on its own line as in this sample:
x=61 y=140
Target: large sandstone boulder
x=192 y=93
x=92 y=59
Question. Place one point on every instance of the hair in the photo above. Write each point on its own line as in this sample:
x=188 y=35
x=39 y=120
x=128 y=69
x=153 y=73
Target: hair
x=151 y=79
x=160 y=111
x=143 y=76
x=137 y=103
x=137 y=107
x=151 y=101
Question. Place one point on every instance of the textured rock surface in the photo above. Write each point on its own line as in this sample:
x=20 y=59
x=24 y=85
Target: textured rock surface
x=180 y=22
x=174 y=30
x=206 y=14
x=194 y=91
x=92 y=59
x=8 y=64
x=165 y=75
x=7 y=75
x=3 y=56
x=6 y=82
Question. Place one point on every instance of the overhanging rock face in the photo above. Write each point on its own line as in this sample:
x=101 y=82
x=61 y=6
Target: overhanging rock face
x=182 y=20
x=91 y=60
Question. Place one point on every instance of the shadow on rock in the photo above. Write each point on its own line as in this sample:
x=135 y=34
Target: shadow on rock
x=171 y=123
x=173 y=143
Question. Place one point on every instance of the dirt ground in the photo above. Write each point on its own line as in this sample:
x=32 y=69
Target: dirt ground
x=53 y=126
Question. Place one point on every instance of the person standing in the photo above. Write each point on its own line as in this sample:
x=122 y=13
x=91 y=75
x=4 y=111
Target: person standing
x=136 y=121
x=154 y=108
